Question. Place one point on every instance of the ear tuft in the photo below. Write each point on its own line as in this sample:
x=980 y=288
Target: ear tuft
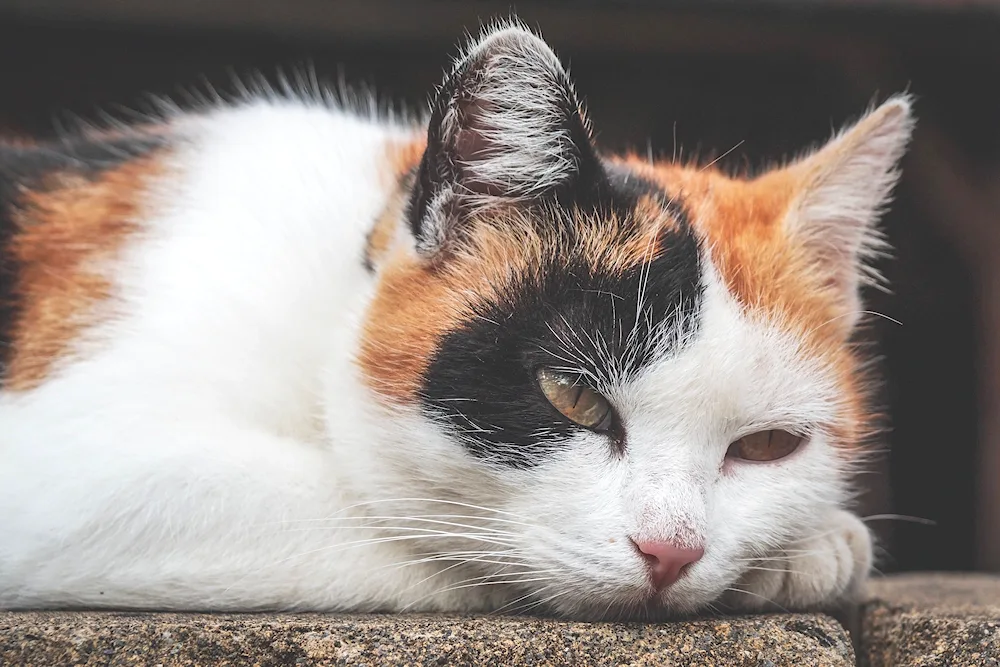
x=844 y=189
x=505 y=123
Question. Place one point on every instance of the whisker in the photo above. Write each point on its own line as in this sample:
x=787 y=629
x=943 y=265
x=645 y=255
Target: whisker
x=758 y=595
x=515 y=601
x=461 y=558
x=462 y=585
x=766 y=569
x=509 y=573
x=542 y=602
x=856 y=312
x=423 y=519
x=709 y=165
x=497 y=538
x=334 y=548
x=429 y=500
x=899 y=517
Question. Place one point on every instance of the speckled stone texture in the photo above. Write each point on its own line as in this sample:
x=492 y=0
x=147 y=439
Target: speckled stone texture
x=951 y=620
x=173 y=639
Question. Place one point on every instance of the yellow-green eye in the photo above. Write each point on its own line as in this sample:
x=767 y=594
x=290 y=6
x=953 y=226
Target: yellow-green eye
x=578 y=402
x=764 y=446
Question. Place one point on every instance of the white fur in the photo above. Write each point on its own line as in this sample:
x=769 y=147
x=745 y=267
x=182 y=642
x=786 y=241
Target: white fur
x=213 y=446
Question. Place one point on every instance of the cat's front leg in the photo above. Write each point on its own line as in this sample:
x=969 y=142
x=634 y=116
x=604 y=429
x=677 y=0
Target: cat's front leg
x=821 y=570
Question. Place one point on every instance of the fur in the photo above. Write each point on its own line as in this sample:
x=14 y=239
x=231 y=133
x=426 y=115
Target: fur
x=295 y=370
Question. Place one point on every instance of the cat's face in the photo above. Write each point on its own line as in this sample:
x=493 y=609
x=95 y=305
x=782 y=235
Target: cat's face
x=601 y=364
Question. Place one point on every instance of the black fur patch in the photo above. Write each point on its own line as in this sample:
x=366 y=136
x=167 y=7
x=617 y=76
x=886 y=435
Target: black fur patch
x=26 y=167
x=482 y=379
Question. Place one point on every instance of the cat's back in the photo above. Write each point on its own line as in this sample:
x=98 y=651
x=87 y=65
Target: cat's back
x=174 y=297
x=203 y=248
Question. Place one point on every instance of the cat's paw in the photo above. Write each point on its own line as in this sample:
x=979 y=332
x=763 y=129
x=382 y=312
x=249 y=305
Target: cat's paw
x=819 y=571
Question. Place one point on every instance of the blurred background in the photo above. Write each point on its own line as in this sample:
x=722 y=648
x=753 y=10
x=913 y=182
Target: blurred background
x=754 y=81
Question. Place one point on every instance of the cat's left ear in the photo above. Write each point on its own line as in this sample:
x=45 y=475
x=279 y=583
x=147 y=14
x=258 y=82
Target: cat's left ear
x=843 y=189
x=507 y=124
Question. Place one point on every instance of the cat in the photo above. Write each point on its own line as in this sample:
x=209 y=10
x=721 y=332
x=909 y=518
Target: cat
x=281 y=355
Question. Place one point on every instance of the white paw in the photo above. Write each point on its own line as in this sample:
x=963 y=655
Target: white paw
x=818 y=571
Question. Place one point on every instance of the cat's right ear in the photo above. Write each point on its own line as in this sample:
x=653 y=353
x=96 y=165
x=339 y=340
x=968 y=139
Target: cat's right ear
x=506 y=123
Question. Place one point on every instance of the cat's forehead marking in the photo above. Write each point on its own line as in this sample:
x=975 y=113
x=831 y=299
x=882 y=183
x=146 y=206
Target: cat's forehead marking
x=65 y=213
x=606 y=291
x=418 y=303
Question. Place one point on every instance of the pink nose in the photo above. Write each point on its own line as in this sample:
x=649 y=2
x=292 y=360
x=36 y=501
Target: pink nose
x=667 y=561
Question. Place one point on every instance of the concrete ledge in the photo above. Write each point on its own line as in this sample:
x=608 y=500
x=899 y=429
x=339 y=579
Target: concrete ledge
x=931 y=619
x=91 y=638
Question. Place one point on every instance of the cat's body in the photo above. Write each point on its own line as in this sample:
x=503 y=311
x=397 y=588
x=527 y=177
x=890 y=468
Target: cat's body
x=162 y=407
x=283 y=356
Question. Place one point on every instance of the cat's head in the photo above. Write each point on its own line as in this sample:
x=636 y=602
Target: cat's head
x=584 y=355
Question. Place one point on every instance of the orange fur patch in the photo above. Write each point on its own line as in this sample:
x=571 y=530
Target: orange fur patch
x=765 y=269
x=66 y=231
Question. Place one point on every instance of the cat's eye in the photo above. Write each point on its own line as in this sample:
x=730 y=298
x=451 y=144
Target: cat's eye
x=764 y=446
x=575 y=400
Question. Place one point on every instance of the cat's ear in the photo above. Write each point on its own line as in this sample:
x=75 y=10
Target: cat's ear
x=506 y=123
x=844 y=188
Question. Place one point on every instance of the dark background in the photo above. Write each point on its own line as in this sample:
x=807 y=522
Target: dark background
x=765 y=79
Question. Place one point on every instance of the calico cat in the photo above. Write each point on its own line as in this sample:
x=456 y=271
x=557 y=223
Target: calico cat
x=280 y=355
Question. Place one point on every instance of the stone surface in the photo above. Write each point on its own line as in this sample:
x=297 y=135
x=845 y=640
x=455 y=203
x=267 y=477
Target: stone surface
x=931 y=619
x=176 y=639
